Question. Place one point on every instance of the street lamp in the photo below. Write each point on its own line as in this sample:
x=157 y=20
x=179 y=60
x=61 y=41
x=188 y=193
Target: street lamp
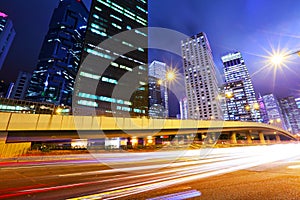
x=170 y=76
x=279 y=58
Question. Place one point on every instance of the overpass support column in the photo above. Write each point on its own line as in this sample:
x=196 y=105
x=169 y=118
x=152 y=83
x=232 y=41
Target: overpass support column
x=3 y=136
x=268 y=139
x=261 y=137
x=277 y=138
x=233 y=137
x=209 y=138
x=248 y=135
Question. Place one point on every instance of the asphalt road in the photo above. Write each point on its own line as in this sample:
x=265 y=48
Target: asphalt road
x=258 y=172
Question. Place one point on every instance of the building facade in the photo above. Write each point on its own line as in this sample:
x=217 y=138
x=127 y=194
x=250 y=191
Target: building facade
x=200 y=78
x=298 y=102
x=7 y=34
x=158 y=90
x=121 y=79
x=183 y=106
x=235 y=70
x=59 y=59
x=291 y=114
x=263 y=110
x=21 y=85
x=274 y=111
x=236 y=102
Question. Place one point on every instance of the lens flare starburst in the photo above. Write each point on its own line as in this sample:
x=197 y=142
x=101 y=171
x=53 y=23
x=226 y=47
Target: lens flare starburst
x=276 y=61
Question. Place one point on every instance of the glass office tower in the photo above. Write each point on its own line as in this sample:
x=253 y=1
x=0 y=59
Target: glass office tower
x=118 y=81
x=158 y=90
x=274 y=111
x=291 y=113
x=235 y=69
x=59 y=58
x=7 y=34
x=236 y=102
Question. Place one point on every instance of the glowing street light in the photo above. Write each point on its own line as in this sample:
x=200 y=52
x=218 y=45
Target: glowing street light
x=229 y=95
x=170 y=76
x=58 y=110
x=247 y=107
x=278 y=58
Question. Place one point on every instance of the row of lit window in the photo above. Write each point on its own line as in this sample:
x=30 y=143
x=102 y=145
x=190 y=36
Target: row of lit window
x=103 y=98
x=96 y=77
x=123 y=11
x=109 y=57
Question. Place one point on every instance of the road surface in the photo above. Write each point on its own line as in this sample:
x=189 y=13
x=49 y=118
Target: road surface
x=255 y=172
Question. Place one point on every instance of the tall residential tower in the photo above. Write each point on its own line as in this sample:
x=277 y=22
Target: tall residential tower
x=200 y=78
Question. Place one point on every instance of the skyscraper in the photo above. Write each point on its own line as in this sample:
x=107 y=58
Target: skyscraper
x=274 y=111
x=236 y=103
x=200 y=78
x=122 y=83
x=21 y=85
x=3 y=89
x=263 y=110
x=291 y=114
x=158 y=90
x=59 y=59
x=235 y=70
x=183 y=106
x=7 y=34
x=298 y=102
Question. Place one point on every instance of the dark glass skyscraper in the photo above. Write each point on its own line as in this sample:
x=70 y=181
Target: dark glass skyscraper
x=59 y=58
x=7 y=34
x=105 y=67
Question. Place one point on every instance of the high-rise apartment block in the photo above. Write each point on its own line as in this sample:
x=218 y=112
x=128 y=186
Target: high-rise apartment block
x=7 y=34
x=235 y=70
x=59 y=59
x=115 y=61
x=200 y=78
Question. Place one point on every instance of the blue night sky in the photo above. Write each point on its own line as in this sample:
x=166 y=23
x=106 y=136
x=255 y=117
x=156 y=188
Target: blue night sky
x=253 y=27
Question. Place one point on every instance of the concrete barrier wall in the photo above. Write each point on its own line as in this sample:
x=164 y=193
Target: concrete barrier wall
x=9 y=150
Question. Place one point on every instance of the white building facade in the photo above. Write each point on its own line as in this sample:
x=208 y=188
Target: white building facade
x=200 y=78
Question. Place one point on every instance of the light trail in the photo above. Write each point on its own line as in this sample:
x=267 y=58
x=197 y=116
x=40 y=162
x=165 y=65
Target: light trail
x=219 y=161
x=261 y=155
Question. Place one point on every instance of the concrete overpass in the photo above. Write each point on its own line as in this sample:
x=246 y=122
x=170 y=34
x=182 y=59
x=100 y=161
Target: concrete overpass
x=17 y=129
